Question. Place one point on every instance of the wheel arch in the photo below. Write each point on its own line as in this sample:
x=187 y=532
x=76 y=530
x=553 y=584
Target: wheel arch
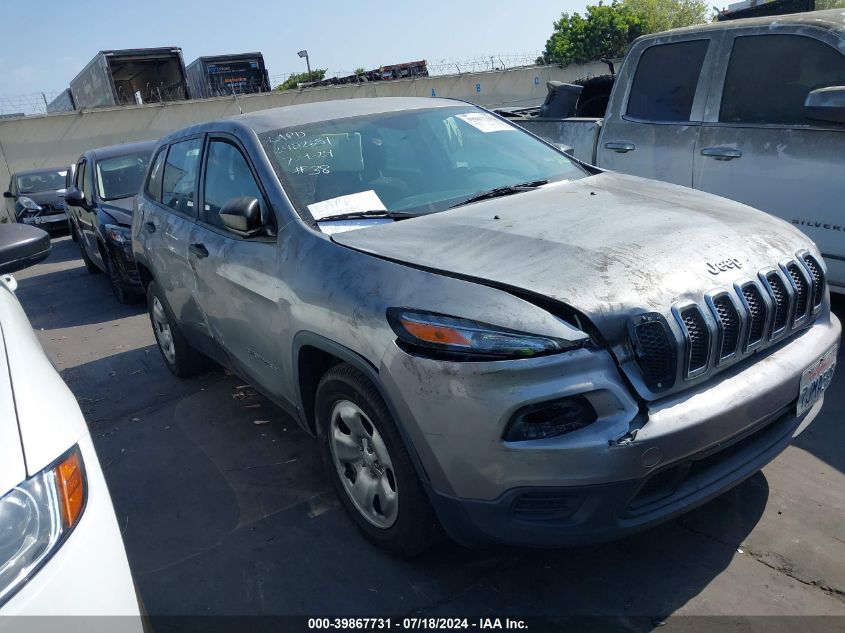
x=308 y=346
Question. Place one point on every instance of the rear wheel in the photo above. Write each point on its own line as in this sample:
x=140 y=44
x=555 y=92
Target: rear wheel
x=369 y=465
x=181 y=359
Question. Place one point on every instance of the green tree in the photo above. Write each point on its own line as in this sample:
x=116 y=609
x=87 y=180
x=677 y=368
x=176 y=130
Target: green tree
x=606 y=30
x=829 y=4
x=300 y=78
x=662 y=15
x=360 y=71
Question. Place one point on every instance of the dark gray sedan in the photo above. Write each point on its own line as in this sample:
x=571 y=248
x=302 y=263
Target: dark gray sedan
x=485 y=336
x=35 y=197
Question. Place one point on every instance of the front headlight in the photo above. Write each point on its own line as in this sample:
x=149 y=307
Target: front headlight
x=36 y=516
x=26 y=204
x=120 y=235
x=467 y=337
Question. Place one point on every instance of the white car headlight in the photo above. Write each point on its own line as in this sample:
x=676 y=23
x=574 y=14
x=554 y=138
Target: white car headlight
x=35 y=518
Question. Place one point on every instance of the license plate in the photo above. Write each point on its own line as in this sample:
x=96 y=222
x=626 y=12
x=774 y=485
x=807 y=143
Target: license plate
x=49 y=219
x=815 y=380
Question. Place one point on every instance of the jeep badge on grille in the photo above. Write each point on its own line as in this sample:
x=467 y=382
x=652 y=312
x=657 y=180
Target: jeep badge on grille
x=714 y=268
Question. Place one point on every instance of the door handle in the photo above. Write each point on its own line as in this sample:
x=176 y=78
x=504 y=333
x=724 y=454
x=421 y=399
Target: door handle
x=620 y=147
x=721 y=153
x=150 y=226
x=199 y=250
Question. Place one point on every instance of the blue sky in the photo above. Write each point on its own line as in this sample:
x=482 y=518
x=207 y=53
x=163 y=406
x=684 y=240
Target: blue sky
x=46 y=42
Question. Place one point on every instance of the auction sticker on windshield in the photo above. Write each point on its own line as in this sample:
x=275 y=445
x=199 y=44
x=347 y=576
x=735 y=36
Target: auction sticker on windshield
x=485 y=122
x=815 y=380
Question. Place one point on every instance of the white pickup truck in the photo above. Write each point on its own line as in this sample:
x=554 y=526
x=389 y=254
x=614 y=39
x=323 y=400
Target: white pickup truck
x=752 y=110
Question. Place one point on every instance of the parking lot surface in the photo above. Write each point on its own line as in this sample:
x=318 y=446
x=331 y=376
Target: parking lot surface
x=224 y=507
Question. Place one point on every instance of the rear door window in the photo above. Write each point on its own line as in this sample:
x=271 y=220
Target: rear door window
x=179 y=179
x=770 y=76
x=666 y=80
x=153 y=189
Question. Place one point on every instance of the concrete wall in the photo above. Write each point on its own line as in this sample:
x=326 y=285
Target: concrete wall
x=58 y=139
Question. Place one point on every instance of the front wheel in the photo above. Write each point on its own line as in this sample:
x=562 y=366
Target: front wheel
x=90 y=266
x=121 y=292
x=369 y=465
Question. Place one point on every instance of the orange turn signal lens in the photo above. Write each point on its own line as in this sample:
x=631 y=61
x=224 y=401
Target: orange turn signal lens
x=71 y=488
x=435 y=333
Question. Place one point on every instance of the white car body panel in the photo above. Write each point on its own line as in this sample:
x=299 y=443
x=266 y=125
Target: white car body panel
x=49 y=418
x=88 y=573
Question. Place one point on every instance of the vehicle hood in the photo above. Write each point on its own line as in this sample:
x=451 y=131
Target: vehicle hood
x=120 y=209
x=609 y=246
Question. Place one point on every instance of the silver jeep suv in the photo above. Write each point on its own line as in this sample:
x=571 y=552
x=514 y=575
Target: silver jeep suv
x=484 y=335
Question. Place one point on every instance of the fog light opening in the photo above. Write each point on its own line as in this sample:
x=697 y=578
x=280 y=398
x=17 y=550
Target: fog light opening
x=550 y=419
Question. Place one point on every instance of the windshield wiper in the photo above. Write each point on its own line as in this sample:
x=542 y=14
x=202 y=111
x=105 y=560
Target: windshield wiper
x=498 y=192
x=359 y=215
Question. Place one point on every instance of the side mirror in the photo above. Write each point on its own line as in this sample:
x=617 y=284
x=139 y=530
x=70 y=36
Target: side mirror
x=74 y=198
x=21 y=246
x=242 y=216
x=826 y=104
x=8 y=194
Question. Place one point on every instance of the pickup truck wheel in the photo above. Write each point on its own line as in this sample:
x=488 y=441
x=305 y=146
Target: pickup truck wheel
x=90 y=266
x=181 y=359
x=369 y=466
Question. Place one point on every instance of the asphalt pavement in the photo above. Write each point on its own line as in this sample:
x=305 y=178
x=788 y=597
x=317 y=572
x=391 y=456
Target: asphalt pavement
x=225 y=510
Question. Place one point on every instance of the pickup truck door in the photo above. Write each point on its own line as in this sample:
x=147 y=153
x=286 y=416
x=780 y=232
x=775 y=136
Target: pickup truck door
x=238 y=288
x=654 y=114
x=757 y=145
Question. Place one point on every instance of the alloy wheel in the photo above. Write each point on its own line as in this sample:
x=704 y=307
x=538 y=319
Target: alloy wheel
x=164 y=335
x=363 y=464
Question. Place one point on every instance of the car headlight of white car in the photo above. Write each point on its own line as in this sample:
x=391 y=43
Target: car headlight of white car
x=35 y=518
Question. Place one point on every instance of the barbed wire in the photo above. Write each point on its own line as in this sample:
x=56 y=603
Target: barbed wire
x=36 y=102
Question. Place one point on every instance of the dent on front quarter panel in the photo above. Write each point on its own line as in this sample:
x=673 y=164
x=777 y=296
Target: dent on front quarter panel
x=345 y=295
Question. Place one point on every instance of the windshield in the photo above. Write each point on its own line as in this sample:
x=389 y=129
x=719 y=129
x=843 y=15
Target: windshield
x=121 y=176
x=412 y=162
x=42 y=181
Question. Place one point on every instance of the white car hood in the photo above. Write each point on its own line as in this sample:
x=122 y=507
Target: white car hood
x=48 y=420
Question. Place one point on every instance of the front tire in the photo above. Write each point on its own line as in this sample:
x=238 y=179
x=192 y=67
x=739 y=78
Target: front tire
x=181 y=359
x=121 y=292
x=369 y=466
x=90 y=266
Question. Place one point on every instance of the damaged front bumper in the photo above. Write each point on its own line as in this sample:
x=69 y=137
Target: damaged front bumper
x=632 y=468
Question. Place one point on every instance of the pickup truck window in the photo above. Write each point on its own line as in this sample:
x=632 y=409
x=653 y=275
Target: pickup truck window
x=665 y=81
x=784 y=69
